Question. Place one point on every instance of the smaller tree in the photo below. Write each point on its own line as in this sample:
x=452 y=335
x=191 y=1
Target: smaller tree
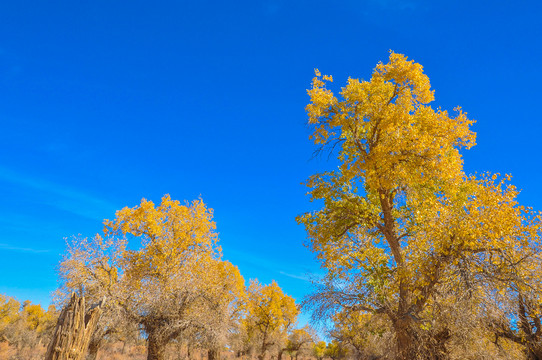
x=319 y=350
x=9 y=313
x=336 y=350
x=169 y=282
x=27 y=325
x=270 y=313
x=299 y=339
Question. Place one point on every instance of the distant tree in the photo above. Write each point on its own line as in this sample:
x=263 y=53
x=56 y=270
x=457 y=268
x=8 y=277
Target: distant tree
x=270 y=313
x=319 y=350
x=300 y=339
x=25 y=325
x=335 y=350
x=169 y=282
x=9 y=312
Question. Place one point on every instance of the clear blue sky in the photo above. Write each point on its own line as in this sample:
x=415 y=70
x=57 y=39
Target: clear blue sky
x=103 y=103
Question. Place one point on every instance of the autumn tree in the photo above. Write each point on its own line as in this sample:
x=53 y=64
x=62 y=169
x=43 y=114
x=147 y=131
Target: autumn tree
x=335 y=350
x=161 y=268
x=9 y=312
x=298 y=340
x=513 y=304
x=270 y=314
x=365 y=335
x=399 y=215
x=92 y=268
x=319 y=350
x=25 y=325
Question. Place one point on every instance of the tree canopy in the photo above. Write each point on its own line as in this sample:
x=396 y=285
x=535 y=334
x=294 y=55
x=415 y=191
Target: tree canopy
x=400 y=218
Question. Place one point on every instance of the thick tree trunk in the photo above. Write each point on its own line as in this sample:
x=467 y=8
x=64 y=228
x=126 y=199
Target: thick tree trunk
x=534 y=354
x=73 y=331
x=96 y=342
x=405 y=341
x=93 y=348
x=263 y=349
x=213 y=354
x=156 y=346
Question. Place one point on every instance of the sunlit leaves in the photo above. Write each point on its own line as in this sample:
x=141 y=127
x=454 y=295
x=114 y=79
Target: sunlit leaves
x=269 y=314
x=399 y=216
x=161 y=268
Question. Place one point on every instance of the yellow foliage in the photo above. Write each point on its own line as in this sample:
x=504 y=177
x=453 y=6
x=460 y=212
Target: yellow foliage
x=399 y=214
x=9 y=311
x=269 y=314
x=160 y=267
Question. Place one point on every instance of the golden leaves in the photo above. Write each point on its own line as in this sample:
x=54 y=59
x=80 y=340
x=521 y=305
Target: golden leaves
x=399 y=213
x=269 y=310
x=386 y=131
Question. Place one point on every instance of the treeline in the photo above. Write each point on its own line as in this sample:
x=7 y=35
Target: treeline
x=25 y=328
x=161 y=273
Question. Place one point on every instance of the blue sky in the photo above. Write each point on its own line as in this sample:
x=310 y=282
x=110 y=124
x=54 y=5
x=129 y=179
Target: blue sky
x=103 y=103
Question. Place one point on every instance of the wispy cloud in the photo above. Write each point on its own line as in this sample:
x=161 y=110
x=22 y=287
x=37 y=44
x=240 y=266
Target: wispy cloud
x=279 y=267
x=63 y=197
x=299 y=277
x=9 y=247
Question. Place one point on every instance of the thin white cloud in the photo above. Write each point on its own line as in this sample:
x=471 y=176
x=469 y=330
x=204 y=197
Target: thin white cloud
x=299 y=277
x=63 y=197
x=270 y=265
x=9 y=247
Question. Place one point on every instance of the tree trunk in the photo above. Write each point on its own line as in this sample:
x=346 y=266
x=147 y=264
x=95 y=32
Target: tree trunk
x=405 y=340
x=96 y=342
x=213 y=354
x=156 y=347
x=93 y=348
x=73 y=330
x=280 y=355
x=534 y=351
x=439 y=350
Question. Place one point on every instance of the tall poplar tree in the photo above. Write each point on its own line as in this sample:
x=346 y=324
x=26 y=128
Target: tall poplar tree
x=399 y=215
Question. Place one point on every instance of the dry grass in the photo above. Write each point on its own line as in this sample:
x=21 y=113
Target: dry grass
x=10 y=352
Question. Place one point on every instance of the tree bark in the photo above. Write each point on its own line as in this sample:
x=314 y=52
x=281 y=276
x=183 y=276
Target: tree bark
x=74 y=330
x=213 y=354
x=534 y=352
x=405 y=342
x=93 y=348
x=156 y=345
